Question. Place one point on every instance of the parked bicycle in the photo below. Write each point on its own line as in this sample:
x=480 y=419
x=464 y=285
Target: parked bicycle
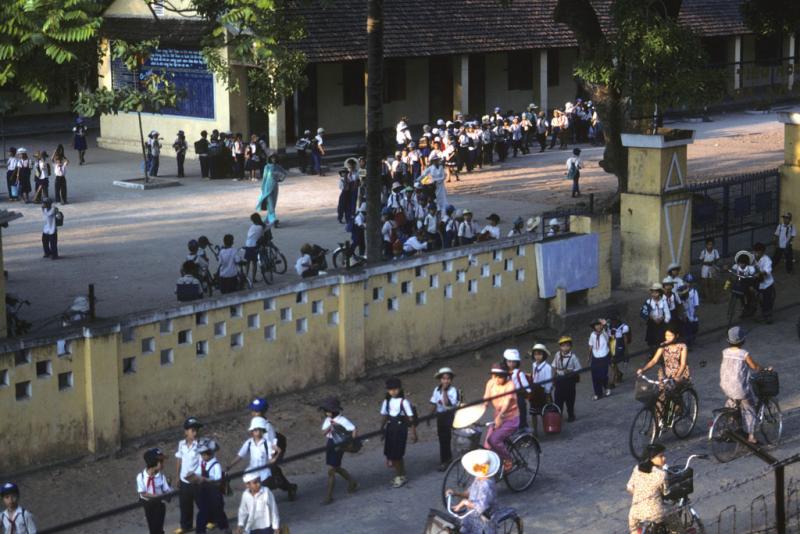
x=769 y=420
x=678 y=412
x=523 y=447
x=743 y=295
x=678 y=486
x=345 y=256
x=243 y=278
x=270 y=259
x=16 y=326
x=506 y=519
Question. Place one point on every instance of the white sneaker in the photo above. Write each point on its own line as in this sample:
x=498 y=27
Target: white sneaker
x=398 y=482
x=596 y=397
x=322 y=273
x=608 y=393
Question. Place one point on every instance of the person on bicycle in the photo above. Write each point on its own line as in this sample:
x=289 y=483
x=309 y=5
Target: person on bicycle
x=198 y=257
x=254 y=238
x=745 y=272
x=481 y=498
x=675 y=367
x=501 y=393
x=734 y=379
x=646 y=485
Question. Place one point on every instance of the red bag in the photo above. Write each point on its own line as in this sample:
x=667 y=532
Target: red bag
x=551 y=416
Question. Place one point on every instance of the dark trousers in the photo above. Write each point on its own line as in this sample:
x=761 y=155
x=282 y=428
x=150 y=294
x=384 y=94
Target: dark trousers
x=187 y=497
x=302 y=160
x=542 y=138
x=210 y=507
x=523 y=410
x=502 y=150
x=600 y=375
x=444 y=429
x=463 y=158
x=267 y=530
x=357 y=240
x=517 y=146
x=154 y=513
x=487 y=153
x=239 y=166
x=181 y=157
x=278 y=480
x=152 y=165
x=228 y=285
x=204 y=165
x=61 y=189
x=767 y=301
x=780 y=253
x=576 y=191
x=565 y=394
x=316 y=162
x=9 y=180
x=50 y=245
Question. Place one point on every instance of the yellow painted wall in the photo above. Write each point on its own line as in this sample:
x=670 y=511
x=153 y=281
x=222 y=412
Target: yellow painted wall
x=266 y=342
x=790 y=170
x=497 y=92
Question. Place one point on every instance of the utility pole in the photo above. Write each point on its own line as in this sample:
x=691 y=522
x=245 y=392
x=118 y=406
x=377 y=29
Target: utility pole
x=374 y=126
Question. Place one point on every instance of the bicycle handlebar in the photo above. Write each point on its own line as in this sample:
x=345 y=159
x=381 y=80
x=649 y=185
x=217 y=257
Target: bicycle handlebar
x=656 y=382
x=454 y=513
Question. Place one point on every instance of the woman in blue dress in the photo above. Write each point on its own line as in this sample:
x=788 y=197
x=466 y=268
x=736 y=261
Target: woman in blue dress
x=481 y=498
x=80 y=139
x=273 y=175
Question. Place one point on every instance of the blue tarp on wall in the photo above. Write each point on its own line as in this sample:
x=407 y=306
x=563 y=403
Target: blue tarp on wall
x=571 y=262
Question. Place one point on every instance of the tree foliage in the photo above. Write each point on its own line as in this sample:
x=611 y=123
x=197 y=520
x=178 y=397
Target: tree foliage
x=772 y=17
x=44 y=43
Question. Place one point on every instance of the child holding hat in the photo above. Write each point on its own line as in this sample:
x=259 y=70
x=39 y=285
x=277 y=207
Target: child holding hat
x=481 y=498
x=542 y=377
x=444 y=400
x=151 y=483
x=258 y=513
x=566 y=366
x=398 y=416
x=520 y=380
x=335 y=421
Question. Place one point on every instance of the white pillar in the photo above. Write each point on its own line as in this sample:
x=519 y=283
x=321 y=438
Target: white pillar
x=790 y=77
x=737 y=63
x=296 y=107
x=277 y=128
x=543 y=100
x=465 y=84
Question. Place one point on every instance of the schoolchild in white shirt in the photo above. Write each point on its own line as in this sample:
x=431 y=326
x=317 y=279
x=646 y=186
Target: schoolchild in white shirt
x=566 y=366
x=656 y=311
x=450 y=227
x=784 y=234
x=11 y=170
x=336 y=426
x=513 y=361
x=491 y=230
x=151 y=483
x=258 y=512
x=691 y=303
x=598 y=354
x=542 y=377
x=260 y=448
x=398 y=416
x=620 y=338
x=259 y=407
x=188 y=460
x=444 y=400
x=15 y=519
x=709 y=257
x=467 y=229
x=209 y=478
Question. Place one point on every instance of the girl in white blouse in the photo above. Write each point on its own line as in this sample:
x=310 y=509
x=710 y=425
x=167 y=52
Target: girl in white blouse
x=336 y=424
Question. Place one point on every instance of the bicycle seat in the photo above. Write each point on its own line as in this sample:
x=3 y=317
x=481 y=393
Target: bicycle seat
x=502 y=514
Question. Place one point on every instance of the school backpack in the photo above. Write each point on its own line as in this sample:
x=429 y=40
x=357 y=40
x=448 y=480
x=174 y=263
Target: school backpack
x=59 y=218
x=414 y=415
x=573 y=173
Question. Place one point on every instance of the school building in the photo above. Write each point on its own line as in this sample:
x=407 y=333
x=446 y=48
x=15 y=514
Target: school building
x=441 y=59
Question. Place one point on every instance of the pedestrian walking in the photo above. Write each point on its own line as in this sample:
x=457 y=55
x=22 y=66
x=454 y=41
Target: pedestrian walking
x=60 y=172
x=444 y=401
x=188 y=460
x=784 y=234
x=49 y=229
x=692 y=303
x=542 y=378
x=302 y=147
x=620 y=338
x=260 y=449
x=273 y=175
x=201 y=147
x=398 y=417
x=335 y=424
x=317 y=151
x=599 y=360
x=258 y=408
x=79 y=141
x=258 y=512
x=574 y=171
x=254 y=235
x=656 y=311
x=180 y=146
x=766 y=283
x=209 y=480
x=42 y=177
x=709 y=257
x=23 y=170
x=566 y=367
x=468 y=229
x=150 y=484
x=15 y=519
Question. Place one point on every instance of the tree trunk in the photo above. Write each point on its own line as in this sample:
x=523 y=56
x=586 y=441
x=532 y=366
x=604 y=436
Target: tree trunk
x=144 y=152
x=374 y=126
x=615 y=156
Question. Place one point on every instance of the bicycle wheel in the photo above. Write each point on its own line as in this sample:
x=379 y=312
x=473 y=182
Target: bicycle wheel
x=525 y=452
x=266 y=263
x=685 y=421
x=725 y=448
x=456 y=478
x=510 y=526
x=338 y=258
x=771 y=422
x=279 y=264
x=642 y=433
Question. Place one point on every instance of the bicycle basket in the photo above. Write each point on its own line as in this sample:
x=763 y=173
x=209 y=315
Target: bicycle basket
x=679 y=484
x=765 y=384
x=466 y=439
x=645 y=392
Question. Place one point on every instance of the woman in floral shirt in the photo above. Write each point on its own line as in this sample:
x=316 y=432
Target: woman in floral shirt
x=646 y=485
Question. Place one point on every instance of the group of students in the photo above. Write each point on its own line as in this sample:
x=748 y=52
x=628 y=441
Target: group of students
x=228 y=155
x=20 y=168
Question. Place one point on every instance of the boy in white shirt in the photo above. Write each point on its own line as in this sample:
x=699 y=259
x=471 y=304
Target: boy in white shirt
x=598 y=354
x=415 y=243
x=258 y=513
x=467 y=229
x=15 y=519
x=766 y=283
x=692 y=302
x=261 y=448
x=151 y=483
x=188 y=460
x=444 y=401
x=491 y=230
x=208 y=476
x=784 y=234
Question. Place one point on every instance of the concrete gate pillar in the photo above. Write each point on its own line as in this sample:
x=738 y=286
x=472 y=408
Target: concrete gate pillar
x=790 y=170
x=656 y=211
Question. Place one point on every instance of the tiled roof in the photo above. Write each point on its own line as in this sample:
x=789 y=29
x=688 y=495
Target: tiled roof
x=424 y=28
x=415 y=28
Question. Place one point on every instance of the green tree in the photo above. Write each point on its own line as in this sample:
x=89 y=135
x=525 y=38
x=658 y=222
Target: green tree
x=772 y=17
x=154 y=92
x=643 y=61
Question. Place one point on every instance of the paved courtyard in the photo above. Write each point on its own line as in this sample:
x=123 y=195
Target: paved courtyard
x=130 y=244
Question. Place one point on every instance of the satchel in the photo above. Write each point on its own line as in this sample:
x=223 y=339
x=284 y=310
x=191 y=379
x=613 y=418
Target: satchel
x=59 y=218
x=644 y=311
x=343 y=437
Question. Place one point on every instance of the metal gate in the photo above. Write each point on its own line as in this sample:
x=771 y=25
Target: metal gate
x=735 y=211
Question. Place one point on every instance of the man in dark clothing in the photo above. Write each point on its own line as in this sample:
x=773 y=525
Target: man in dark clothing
x=201 y=149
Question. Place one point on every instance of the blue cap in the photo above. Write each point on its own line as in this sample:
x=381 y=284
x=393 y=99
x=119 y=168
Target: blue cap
x=9 y=487
x=688 y=278
x=259 y=404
